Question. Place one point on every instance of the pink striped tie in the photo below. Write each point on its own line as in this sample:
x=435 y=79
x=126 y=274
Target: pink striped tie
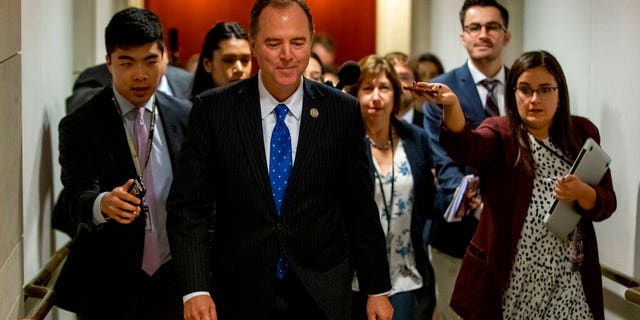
x=151 y=256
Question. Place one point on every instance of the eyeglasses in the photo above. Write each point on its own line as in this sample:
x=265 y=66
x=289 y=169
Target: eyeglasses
x=543 y=92
x=473 y=29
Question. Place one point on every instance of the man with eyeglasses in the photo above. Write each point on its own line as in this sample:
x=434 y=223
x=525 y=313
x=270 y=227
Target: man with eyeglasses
x=479 y=85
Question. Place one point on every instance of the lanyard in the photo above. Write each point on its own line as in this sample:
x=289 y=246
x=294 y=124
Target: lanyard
x=562 y=158
x=132 y=149
x=387 y=210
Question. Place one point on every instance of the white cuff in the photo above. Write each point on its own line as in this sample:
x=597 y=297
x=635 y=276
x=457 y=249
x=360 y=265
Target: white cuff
x=194 y=294
x=98 y=218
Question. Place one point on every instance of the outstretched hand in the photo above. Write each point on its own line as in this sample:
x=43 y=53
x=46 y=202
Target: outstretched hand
x=436 y=93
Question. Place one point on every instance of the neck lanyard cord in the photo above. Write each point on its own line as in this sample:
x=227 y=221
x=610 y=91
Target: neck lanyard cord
x=132 y=149
x=387 y=211
x=561 y=157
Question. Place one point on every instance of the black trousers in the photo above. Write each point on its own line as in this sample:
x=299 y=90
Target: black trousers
x=157 y=298
x=292 y=301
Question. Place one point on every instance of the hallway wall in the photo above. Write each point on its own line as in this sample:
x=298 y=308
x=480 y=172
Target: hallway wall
x=11 y=241
x=347 y=22
x=46 y=81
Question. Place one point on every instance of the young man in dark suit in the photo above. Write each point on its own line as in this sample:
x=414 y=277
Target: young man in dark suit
x=484 y=34
x=119 y=265
x=283 y=160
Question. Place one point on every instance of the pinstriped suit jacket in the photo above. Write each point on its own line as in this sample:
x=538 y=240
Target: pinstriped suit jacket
x=328 y=224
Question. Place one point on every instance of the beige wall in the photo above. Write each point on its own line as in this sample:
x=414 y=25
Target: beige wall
x=393 y=26
x=11 y=241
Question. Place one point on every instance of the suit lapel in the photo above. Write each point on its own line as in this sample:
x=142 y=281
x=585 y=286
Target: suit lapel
x=410 y=148
x=249 y=128
x=113 y=135
x=470 y=101
x=312 y=120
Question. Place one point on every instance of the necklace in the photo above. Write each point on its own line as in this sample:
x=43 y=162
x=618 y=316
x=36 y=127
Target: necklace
x=379 y=147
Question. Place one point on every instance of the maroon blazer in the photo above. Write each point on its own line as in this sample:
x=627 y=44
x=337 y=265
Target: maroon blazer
x=487 y=263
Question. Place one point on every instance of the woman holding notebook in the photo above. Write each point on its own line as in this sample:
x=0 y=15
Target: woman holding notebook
x=514 y=267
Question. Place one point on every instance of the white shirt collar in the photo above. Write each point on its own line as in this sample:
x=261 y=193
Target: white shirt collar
x=126 y=106
x=479 y=76
x=408 y=116
x=268 y=102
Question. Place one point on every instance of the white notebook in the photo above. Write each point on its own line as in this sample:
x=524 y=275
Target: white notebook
x=590 y=166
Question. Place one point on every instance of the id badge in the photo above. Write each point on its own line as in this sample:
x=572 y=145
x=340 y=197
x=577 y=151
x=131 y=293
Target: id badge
x=147 y=217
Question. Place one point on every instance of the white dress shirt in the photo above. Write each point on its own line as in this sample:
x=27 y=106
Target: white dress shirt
x=159 y=161
x=267 y=105
x=498 y=91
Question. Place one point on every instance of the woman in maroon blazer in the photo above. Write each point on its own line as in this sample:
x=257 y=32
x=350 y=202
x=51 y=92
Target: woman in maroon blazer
x=514 y=267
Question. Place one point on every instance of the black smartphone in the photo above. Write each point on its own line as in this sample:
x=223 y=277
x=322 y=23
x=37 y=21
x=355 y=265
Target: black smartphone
x=137 y=188
x=420 y=91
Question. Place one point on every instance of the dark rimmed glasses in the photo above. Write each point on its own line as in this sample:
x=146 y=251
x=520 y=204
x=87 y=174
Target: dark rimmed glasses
x=473 y=29
x=543 y=92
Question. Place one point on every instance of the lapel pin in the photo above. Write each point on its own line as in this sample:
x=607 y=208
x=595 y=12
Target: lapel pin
x=314 y=112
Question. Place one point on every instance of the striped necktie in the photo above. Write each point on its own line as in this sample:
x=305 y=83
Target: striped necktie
x=151 y=260
x=491 y=105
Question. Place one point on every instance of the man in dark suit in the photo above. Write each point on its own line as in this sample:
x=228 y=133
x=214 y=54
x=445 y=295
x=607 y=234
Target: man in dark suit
x=175 y=82
x=284 y=248
x=484 y=34
x=119 y=265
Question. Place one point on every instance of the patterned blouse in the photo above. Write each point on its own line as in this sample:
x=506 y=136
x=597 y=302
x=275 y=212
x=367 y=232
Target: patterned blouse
x=397 y=227
x=542 y=283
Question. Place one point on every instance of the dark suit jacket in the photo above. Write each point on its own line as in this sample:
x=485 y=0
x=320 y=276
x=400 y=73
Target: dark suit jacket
x=452 y=238
x=507 y=190
x=328 y=223
x=416 y=146
x=418 y=118
x=93 y=79
x=104 y=260
x=89 y=83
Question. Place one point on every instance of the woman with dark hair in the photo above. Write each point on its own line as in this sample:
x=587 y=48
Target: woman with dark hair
x=400 y=161
x=514 y=267
x=225 y=57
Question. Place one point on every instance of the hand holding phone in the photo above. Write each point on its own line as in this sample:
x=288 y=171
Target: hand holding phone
x=422 y=89
x=137 y=188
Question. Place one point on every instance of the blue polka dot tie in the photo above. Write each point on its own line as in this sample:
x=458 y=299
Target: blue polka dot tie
x=279 y=171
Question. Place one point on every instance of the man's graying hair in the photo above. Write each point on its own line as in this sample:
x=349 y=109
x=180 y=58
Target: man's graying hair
x=259 y=5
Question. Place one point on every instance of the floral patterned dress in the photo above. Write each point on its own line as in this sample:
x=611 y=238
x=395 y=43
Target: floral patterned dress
x=397 y=226
x=542 y=283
